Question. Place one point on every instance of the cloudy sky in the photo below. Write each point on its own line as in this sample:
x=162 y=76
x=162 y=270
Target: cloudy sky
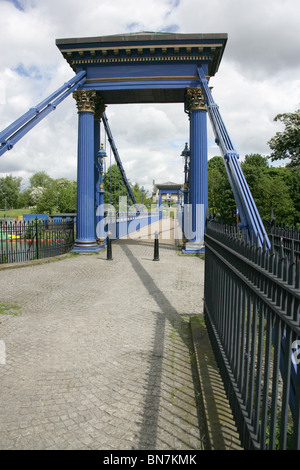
x=259 y=77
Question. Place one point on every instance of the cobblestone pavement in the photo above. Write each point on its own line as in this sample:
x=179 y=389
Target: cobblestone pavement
x=98 y=353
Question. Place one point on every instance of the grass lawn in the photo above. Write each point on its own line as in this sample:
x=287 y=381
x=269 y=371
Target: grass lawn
x=13 y=213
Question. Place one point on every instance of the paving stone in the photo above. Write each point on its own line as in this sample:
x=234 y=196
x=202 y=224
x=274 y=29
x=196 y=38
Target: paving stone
x=99 y=355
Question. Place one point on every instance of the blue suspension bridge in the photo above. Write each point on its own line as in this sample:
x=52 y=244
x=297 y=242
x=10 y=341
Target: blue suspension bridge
x=164 y=68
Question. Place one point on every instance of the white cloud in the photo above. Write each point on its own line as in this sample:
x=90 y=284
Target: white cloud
x=263 y=36
x=259 y=76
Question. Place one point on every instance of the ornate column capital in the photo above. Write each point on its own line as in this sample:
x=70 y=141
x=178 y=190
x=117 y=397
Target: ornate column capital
x=85 y=100
x=194 y=99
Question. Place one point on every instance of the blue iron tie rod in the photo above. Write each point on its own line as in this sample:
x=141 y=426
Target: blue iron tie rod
x=250 y=218
x=15 y=131
x=117 y=157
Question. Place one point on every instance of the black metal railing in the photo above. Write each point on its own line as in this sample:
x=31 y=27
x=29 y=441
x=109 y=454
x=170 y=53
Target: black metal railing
x=251 y=306
x=286 y=237
x=24 y=241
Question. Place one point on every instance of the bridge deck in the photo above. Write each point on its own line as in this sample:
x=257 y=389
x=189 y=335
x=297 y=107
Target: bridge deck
x=99 y=355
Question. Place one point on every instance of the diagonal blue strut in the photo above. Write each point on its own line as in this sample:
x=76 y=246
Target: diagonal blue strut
x=250 y=218
x=15 y=131
x=117 y=157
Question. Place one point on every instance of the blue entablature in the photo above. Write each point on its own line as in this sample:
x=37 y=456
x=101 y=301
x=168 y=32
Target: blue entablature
x=142 y=83
x=143 y=67
x=133 y=71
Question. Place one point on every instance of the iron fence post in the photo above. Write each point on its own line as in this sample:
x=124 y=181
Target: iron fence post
x=37 y=238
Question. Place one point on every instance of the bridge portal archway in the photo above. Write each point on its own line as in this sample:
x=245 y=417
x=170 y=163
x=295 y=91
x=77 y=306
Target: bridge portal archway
x=144 y=67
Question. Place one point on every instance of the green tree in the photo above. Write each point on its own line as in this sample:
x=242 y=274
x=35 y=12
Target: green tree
x=291 y=176
x=221 y=202
x=255 y=159
x=279 y=199
x=36 y=194
x=286 y=144
x=215 y=182
x=39 y=183
x=67 y=195
x=255 y=170
x=9 y=191
x=58 y=195
x=48 y=201
x=268 y=188
x=24 y=198
x=138 y=194
x=272 y=188
x=40 y=179
x=113 y=186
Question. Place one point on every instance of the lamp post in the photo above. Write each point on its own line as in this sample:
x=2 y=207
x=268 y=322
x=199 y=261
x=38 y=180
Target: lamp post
x=186 y=154
x=100 y=210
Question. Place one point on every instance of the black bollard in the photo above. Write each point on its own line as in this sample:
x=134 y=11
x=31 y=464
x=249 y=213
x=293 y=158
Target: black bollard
x=156 y=248
x=108 y=242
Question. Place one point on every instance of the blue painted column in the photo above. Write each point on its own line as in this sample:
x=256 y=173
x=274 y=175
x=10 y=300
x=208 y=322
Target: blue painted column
x=97 y=167
x=85 y=227
x=198 y=186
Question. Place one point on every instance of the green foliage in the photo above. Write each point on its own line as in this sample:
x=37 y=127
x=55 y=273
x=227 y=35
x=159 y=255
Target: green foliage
x=59 y=196
x=291 y=177
x=138 y=194
x=255 y=160
x=221 y=203
x=9 y=309
x=273 y=188
x=48 y=200
x=24 y=199
x=9 y=191
x=66 y=195
x=40 y=179
x=286 y=144
x=45 y=194
x=114 y=188
x=269 y=188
